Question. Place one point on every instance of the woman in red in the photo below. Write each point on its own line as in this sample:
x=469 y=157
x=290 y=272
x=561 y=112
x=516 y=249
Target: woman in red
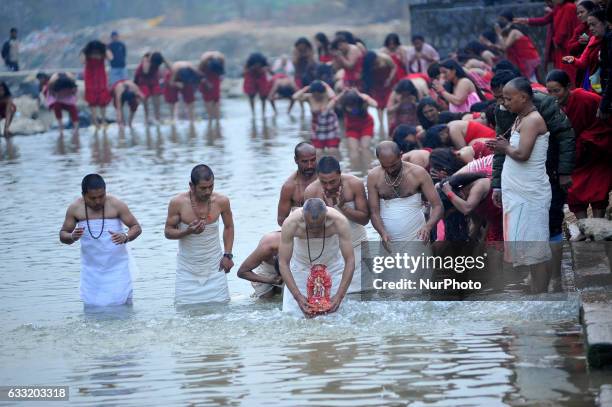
x=358 y=123
x=393 y=48
x=147 y=79
x=520 y=50
x=257 y=81
x=97 y=94
x=589 y=60
x=592 y=176
x=402 y=105
x=7 y=108
x=322 y=44
x=377 y=78
x=350 y=58
x=60 y=92
x=212 y=68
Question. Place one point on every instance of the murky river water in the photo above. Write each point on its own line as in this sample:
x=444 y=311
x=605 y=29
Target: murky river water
x=247 y=353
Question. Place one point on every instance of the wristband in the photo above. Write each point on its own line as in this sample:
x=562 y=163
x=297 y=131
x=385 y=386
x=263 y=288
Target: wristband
x=127 y=238
x=451 y=195
x=228 y=255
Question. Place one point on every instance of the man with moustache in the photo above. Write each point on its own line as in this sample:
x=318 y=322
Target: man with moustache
x=292 y=192
x=346 y=193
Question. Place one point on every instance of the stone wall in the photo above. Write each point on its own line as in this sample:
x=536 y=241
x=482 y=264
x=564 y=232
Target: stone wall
x=451 y=26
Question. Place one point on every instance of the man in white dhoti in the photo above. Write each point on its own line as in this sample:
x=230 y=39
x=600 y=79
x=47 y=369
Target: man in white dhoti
x=96 y=220
x=261 y=267
x=395 y=190
x=193 y=220
x=526 y=191
x=346 y=193
x=315 y=235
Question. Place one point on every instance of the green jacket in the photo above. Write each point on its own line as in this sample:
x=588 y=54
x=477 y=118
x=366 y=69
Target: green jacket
x=562 y=141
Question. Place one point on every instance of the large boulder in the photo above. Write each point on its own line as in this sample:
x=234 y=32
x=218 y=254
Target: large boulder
x=26 y=126
x=27 y=107
x=596 y=229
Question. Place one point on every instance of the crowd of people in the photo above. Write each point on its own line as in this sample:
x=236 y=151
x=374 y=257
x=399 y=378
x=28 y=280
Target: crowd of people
x=488 y=144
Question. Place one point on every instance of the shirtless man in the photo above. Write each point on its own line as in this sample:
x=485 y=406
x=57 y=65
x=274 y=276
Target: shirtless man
x=346 y=193
x=183 y=78
x=126 y=91
x=193 y=220
x=292 y=192
x=261 y=267
x=97 y=219
x=394 y=197
x=313 y=235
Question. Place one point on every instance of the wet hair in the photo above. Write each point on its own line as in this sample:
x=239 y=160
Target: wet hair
x=433 y=70
x=490 y=115
x=285 y=91
x=399 y=135
x=5 y=88
x=447 y=117
x=352 y=99
x=188 y=75
x=475 y=48
x=201 y=172
x=346 y=36
x=327 y=165
x=418 y=37
x=92 y=181
x=460 y=181
x=445 y=159
x=63 y=82
x=460 y=73
x=315 y=207
x=432 y=136
x=256 y=58
x=335 y=44
x=216 y=66
x=505 y=65
x=316 y=87
x=501 y=78
x=325 y=73
x=507 y=14
x=426 y=101
x=480 y=106
x=367 y=71
x=129 y=96
x=600 y=15
x=392 y=38
x=156 y=60
x=406 y=86
x=298 y=147
x=94 y=47
x=588 y=5
x=557 y=75
x=490 y=35
x=323 y=40
x=303 y=41
x=522 y=85
x=42 y=76
x=309 y=73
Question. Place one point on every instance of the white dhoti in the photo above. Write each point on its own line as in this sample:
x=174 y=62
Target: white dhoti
x=199 y=278
x=105 y=266
x=402 y=217
x=266 y=270
x=300 y=267
x=526 y=196
x=358 y=235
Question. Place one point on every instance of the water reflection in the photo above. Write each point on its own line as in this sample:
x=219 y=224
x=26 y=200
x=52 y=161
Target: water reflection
x=101 y=148
x=9 y=150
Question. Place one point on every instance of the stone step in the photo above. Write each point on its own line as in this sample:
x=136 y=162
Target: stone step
x=596 y=317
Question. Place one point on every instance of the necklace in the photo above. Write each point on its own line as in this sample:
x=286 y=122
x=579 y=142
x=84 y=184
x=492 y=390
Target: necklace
x=520 y=117
x=308 y=244
x=195 y=209
x=89 y=228
x=395 y=184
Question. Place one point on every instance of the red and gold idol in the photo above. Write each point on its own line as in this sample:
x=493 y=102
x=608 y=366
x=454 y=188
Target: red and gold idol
x=319 y=288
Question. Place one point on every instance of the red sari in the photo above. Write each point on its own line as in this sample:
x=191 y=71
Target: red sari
x=401 y=68
x=592 y=175
x=524 y=55
x=96 y=83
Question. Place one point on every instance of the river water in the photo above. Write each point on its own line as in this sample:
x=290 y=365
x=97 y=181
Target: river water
x=248 y=352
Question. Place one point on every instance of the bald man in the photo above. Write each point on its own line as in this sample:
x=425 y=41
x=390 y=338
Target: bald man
x=395 y=190
x=312 y=236
x=346 y=193
x=292 y=192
